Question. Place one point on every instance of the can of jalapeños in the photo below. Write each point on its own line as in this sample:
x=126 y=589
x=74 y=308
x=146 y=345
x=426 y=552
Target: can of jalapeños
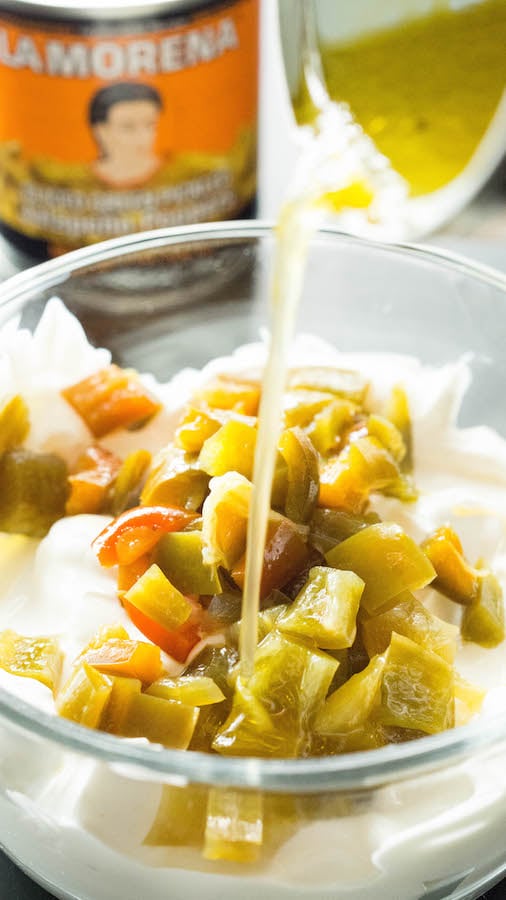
x=119 y=116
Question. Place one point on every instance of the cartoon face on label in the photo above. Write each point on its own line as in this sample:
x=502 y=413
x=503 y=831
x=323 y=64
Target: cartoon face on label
x=124 y=119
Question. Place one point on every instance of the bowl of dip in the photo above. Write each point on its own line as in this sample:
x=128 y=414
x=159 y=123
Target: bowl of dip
x=97 y=817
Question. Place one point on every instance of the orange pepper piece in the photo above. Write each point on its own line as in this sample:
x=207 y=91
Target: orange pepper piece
x=131 y=659
x=136 y=531
x=97 y=470
x=176 y=643
x=129 y=574
x=111 y=398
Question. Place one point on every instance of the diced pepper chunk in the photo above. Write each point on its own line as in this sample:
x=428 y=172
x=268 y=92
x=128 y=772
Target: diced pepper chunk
x=166 y=722
x=111 y=398
x=302 y=477
x=229 y=392
x=350 y=707
x=328 y=426
x=388 y=435
x=176 y=642
x=31 y=657
x=136 y=531
x=90 y=484
x=180 y=818
x=483 y=619
x=285 y=555
x=326 y=608
x=362 y=467
x=194 y=690
x=455 y=577
x=176 y=479
x=330 y=526
x=117 y=709
x=14 y=423
x=410 y=618
x=33 y=492
x=341 y=382
x=230 y=449
x=128 y=483
x=157 y=598
x=300 y=407
x=387 y=560
x=225 y=519
x=84 y=697
x=179 y=556
x=417 y=689
x=130 y=573
x=115 y=632
x=197 y=425
x=234 y=825
x=272 y=714
x=397 y=412
x=131 y=659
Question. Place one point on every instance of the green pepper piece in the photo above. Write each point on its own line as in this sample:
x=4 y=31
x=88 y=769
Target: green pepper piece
x=234 y=825
x=117 y=708
x=180 y=818
x=397 y=412
x=179 y=556
x=386 y=559
x=194 y=690
x=350 y=707
x=410 y=618
x=175 y=480
x=197 y=425
x=340 y=382
x=128 y=483
x=33 y=492
x=219 y=664
x=161 y=721
x=388 y=435
x=230 y=449
x=267 y=621
x=483 y=619
x=157 y=598
x=14 y=423
x=455 y=579
x=326 y=608
x=225 y=608
x=272 y=714
x=417 y=690
x=330 y=526
x=300 y=406
x=31 y=657
x=303 y=478
x=327 y=427
x=84 y=697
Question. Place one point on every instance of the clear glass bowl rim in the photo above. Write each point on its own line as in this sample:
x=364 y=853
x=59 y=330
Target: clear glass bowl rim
x=343 y=772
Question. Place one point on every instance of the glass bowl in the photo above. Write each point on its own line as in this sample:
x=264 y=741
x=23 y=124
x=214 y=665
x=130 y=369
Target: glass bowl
x=422 y=819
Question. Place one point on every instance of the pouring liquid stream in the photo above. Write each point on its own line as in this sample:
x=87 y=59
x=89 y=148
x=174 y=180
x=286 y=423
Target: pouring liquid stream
x=341 y=169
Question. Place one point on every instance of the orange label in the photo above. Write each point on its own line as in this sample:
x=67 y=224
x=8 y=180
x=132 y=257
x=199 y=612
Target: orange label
x=103 y=134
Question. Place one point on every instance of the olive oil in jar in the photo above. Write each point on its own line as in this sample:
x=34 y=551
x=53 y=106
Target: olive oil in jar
x=425 y=90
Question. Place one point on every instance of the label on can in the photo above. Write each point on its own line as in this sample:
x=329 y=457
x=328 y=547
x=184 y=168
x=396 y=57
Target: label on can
x=105 y=133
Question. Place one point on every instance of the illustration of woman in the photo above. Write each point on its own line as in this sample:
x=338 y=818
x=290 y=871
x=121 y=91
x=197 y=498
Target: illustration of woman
x=124 y=119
